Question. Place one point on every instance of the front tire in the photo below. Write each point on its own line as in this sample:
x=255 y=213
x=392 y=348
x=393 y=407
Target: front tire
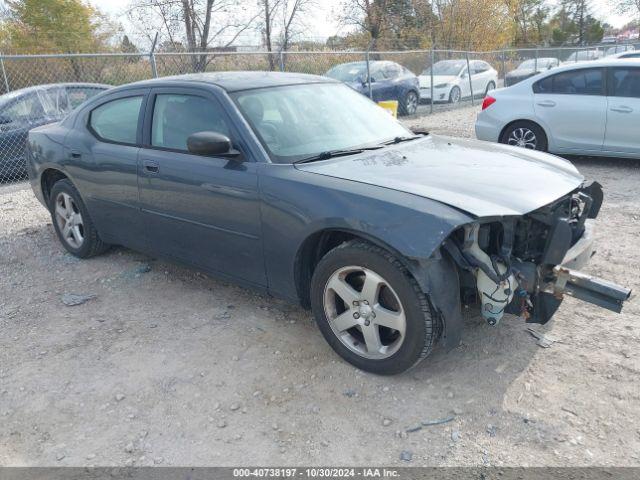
x=371 y=310
x=72 y=222
x=455 y=95
x=525 y=134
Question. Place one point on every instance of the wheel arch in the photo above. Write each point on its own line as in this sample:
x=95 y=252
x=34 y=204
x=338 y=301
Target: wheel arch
x=48 y=179
x=544 y=130
x=437 y=275
x=317 y=244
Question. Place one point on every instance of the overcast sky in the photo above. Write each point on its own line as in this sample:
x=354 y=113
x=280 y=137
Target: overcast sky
x=324 y=22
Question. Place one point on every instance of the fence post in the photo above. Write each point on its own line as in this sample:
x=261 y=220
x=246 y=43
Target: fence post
x=504 y=64
x=368 y=74
x=535 y=64
x=433 y=61
x=466 y=54
x=281 y=61
x=4 y=74
x=152 y=57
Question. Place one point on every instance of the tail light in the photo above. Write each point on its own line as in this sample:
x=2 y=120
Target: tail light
x=487 y=102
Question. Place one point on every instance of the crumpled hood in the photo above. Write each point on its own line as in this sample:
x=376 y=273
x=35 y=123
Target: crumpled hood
x=481 y=178
x=425 y=80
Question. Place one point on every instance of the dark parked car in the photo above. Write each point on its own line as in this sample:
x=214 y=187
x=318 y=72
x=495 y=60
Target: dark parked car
x=31 y=107
x=389 y=81
x=300 y=187
x=529 y=68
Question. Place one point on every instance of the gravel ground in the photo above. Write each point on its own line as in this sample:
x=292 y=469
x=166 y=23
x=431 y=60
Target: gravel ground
x=166 y=366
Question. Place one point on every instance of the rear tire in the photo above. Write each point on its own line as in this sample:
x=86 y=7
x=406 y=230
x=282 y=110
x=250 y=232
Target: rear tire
x=370 y=309
x=525 y=134
x=72 y=222
x=490 y=86
x=409 y=104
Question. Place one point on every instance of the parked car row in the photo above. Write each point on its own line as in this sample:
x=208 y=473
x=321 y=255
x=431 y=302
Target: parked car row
x=452 y=80
x=391 y=81
x=21 y=110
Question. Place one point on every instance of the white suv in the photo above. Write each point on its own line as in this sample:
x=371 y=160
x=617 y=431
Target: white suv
x=589 y=108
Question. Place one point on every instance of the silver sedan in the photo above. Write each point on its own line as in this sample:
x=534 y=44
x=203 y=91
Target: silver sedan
x=589 y=108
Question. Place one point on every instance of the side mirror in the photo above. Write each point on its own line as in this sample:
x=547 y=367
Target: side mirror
x=211 y=144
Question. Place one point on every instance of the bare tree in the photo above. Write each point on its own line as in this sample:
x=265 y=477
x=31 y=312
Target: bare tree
x=201 y=24
x=281 y=22
x=292 y=12
x=631 y=7
x=268 y=12
x=367 y=15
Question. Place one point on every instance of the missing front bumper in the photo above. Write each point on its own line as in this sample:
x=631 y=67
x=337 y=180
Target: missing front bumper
x=588 y=288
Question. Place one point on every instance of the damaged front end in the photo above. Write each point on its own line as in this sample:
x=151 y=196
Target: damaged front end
x=525 y=265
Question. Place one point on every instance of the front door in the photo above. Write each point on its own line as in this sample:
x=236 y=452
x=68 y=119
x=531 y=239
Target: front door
x=623 y=111
x=572 y=106
x=202 y=210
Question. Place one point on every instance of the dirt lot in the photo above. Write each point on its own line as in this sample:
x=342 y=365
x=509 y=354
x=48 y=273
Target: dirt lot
x=167 y=366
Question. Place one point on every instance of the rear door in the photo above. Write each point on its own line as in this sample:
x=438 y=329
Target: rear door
x=480 y=72
x=102 y=159
x=623 y=110
x=202 y=210
x=571 y=106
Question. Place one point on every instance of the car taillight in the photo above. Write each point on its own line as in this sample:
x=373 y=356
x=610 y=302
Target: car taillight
x=487 y=102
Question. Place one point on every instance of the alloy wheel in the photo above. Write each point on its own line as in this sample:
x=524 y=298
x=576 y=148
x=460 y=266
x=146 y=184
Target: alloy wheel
x=69 y=220
x=523 y=137
x=364 y=312
x=455 y=95
x=411 y=103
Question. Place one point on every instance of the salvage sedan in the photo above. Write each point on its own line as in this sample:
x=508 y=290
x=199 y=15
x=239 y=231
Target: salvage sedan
x=301 y=187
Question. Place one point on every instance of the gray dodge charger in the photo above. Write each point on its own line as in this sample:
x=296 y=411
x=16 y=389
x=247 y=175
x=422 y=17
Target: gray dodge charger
x=301 y=187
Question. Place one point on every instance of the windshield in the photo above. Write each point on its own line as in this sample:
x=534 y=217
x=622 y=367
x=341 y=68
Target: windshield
x=349 y=72
x=299 y=121
x=446 y=67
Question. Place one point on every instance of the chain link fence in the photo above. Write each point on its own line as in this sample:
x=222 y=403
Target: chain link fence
x=40 y=89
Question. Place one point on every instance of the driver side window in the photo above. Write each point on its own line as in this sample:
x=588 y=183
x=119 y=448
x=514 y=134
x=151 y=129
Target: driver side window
x=177 y=116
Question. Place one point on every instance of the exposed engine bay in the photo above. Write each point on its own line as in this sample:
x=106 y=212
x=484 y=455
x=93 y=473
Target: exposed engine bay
x=524 y=265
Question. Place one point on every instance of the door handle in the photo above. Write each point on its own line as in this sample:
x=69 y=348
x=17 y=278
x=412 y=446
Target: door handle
x=75 y=154
x=547 y=103
x=150 y=166
x=622 y=109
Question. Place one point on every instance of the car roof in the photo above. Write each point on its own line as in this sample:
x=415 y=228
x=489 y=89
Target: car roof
x=601 y=62
x=236 y=81
x=623 y=54
x=13 y=94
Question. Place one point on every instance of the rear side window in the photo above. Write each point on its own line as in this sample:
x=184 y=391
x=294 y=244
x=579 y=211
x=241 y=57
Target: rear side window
x=624 y=82
x=117 y=120
x=585 y=81
x=177 y=116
